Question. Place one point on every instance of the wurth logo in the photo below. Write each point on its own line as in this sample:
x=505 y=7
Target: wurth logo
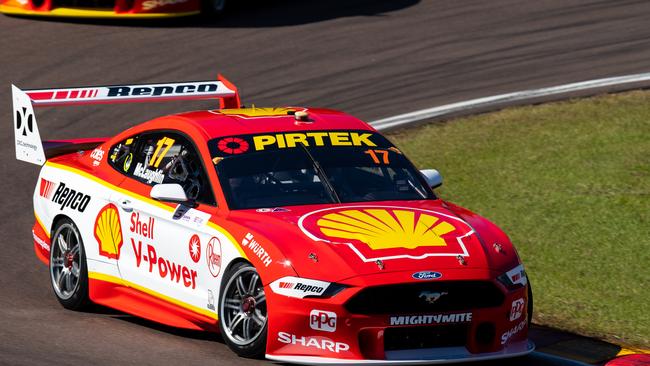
x=250 y=242
x=47 y=188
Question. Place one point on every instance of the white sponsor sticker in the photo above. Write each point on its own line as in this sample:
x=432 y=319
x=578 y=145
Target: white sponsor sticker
x=194 y=217
x=517 y=309
x=298 y=287
x=517 y=275
x=322 y=320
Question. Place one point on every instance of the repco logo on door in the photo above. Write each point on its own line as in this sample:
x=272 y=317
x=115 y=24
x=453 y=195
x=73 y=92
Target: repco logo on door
x=64 y=196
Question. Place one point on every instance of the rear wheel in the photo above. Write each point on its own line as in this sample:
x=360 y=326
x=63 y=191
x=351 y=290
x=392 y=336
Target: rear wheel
x=68 y=271
x=243 y=312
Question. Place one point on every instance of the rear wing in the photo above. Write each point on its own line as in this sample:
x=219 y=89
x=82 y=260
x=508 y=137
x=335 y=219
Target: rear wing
x=29 y=146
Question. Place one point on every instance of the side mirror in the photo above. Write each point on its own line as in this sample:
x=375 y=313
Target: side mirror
x=170 y=192
x=433 y=177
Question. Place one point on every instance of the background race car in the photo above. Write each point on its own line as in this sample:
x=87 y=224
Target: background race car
x=112 y=8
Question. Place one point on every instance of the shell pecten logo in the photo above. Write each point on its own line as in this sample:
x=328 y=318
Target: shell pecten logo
x=257 y=112
x=385 y=229
x=384 y=232
x=108 y=232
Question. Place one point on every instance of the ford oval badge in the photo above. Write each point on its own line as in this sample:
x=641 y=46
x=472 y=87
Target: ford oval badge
x=426 y=275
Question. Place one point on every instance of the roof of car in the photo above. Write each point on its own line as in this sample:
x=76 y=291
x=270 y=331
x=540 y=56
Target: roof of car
x=244 y=121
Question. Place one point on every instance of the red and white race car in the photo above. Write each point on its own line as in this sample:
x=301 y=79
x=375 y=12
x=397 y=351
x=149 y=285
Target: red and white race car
x=123 y=9
x=303 y=235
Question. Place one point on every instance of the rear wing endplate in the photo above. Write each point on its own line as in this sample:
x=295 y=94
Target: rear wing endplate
x=29 y=146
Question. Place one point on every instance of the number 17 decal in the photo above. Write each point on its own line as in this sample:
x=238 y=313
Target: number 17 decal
x=157 y=158
x=375 y=158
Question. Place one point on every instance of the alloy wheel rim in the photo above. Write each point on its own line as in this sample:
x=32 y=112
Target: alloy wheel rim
x=243 y=307
x=65 y=259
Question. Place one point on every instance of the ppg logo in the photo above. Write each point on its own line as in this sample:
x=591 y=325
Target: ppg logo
x=322 y=320
x=24 y=124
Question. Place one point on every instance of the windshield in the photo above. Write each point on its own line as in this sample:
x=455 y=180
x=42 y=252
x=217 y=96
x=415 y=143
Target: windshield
x=273 y=170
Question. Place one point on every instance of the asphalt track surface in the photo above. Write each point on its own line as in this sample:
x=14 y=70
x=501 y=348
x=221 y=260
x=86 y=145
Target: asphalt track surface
x=370 y=58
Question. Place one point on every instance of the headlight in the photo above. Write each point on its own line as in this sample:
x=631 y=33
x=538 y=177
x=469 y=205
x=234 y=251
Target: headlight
x=305 y=288
x=514 y=278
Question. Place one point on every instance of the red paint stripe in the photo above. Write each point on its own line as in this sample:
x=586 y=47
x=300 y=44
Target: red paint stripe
x=74 y=93
x=40 y=95
x=60 y=95
x=43 y=187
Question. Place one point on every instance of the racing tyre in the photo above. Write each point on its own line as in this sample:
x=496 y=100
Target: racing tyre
x=243 y=313
x=68 y=270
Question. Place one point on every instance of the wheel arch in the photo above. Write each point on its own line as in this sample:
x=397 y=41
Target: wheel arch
x=58 y=218
x=233 y=263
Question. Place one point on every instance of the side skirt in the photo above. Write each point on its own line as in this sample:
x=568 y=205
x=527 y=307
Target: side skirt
x=113 y=293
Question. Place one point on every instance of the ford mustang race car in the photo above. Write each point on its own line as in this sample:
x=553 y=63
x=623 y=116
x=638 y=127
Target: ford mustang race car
x=301 y=234
x=111 y=8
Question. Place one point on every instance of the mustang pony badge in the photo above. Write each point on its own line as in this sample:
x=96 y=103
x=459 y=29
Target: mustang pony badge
x=380 y=232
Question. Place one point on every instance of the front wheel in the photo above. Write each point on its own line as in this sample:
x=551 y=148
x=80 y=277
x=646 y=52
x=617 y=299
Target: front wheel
x=68 y=270
x=243 y=312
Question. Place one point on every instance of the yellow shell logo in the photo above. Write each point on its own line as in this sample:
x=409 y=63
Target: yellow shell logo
x=257 y=112
x=386 y=229
x=108 y=232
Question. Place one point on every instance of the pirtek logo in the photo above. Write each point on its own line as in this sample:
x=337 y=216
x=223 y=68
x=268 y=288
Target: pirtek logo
x=337 y=138
x=67 y=197
x=126 y=91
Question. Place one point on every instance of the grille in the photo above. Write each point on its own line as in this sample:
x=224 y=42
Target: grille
x=396 y=339
x=411 y=298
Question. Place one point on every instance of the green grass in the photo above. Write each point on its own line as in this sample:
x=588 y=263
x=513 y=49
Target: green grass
x=570 y=184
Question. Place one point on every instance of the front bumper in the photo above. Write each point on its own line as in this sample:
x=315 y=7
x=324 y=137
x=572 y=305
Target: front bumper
x=418 y=357
x=296 y=335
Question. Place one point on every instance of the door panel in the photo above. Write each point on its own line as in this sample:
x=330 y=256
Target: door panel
x=163 y=255
x=164 y=252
